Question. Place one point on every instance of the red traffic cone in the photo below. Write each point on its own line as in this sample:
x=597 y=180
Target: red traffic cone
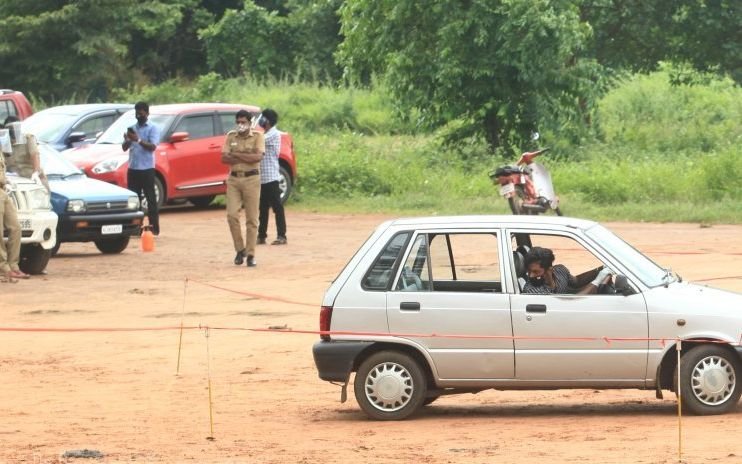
x=148 y=238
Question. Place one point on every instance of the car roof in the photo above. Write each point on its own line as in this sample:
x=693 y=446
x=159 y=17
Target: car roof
x=492 y=220
x=178 y=108
x=86 y=108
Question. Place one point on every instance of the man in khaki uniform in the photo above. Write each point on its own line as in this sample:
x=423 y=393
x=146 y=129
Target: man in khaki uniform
x=10 y=253
x=25 y=160
x=242 y=151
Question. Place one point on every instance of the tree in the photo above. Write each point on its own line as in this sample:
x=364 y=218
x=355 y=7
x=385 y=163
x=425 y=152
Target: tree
x=274 y=38
x=505 y=65
x=55 y=49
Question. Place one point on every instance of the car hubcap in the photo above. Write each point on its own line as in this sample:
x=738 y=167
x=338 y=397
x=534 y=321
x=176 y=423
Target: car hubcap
x=713 y=380
x=282 y=184
x=389 y=387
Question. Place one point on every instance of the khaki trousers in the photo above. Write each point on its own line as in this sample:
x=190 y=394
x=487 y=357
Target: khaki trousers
x=243 y=192
x=10 y=252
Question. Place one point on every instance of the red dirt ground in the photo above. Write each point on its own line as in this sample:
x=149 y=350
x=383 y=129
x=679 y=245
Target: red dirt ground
x=118 y=392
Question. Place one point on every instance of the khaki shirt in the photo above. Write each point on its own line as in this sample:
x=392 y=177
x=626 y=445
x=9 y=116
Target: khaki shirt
x=20 y=161
x=249 y=142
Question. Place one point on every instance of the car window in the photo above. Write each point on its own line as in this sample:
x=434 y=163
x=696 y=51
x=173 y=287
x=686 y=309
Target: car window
x=197 y=127
x=452 y=262
x=227 y=121
x=568 y=252
x=92 y=126
x=382 y=271
x=7 y=108
x=415 y=275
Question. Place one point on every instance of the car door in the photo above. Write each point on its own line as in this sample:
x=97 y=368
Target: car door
x=578 y=339
x=194 y=165
x=450 y=284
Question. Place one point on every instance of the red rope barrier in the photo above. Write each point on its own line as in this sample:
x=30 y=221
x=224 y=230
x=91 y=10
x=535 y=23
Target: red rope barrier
x=251 y=294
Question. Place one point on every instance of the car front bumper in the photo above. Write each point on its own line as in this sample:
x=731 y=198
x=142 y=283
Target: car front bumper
x=87 y=228
x=38 y=227
x=335 y=359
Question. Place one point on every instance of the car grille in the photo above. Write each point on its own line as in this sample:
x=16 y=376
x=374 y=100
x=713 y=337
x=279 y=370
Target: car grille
x=106 y=206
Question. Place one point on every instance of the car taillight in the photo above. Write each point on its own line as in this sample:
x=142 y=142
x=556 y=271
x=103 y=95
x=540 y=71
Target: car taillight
x=325 y=316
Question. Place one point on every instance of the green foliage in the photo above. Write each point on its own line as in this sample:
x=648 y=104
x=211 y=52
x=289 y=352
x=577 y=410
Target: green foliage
x=647 y=114
x=299 y=37
x=506 y=65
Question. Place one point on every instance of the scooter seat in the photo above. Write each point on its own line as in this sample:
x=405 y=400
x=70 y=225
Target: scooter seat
x=505 y=171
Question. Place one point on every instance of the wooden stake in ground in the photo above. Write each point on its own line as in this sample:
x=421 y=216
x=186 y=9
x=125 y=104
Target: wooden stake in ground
x=208 y=376
x=678 y=347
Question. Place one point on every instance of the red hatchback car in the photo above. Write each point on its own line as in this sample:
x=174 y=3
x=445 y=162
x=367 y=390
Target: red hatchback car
x=188 y=157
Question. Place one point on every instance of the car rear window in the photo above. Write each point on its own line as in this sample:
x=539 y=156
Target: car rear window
x=381 y=272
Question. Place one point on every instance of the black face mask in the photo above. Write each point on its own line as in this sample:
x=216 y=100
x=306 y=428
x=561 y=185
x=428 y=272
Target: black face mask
x=141 y=119
x=537 y=281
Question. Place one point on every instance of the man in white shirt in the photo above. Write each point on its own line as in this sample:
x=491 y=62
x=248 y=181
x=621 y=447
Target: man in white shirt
x=270 y=193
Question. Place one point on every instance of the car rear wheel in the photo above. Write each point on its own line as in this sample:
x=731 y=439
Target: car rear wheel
x=390 y=385
x=710 y=380
x=33 y=259
x=112 y=246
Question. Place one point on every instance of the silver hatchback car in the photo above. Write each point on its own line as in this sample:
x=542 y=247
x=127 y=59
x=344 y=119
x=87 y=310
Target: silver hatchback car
x=444 y=305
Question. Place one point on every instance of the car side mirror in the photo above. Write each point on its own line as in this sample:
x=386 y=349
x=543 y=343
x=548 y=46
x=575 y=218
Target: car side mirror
x=75 y=137
x=179 y=137
x=621 y=284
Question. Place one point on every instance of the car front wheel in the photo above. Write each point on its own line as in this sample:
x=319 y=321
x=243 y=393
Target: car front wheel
x=284 y=184
x=33 y=259
x=710 y=380
x=390 y=385
x=112 y=245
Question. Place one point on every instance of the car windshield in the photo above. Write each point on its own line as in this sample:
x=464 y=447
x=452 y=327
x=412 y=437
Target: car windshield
x=115 y=133
x=55 y=164
x=644 y=268
x=47 y=126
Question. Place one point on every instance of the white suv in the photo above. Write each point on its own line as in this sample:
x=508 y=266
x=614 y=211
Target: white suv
x=436 y=306
x=37 y=220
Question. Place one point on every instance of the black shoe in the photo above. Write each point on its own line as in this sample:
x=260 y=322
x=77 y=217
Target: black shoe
x=239 y=258
x=261 y=240
x=251 y=261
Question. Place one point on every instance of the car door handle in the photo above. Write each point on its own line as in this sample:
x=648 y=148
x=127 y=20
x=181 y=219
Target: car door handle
x=214 y=146
x=409 y=306
x=536 y=308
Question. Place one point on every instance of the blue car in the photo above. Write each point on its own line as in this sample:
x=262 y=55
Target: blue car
x=69 y=126
x=89 y=210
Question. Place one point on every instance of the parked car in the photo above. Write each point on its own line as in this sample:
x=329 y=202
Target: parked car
x=188 y=157
x=14 y=103
x=70 y=126
x=89 y=210
x=37 y=220
x=463 y=277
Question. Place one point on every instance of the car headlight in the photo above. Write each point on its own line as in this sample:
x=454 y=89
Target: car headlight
x=38 y=199
x=110 y=165
x=133 y=203
x=76 y=206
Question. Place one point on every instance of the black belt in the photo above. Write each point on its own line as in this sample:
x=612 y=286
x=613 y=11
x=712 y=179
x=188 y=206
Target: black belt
x=253 y=172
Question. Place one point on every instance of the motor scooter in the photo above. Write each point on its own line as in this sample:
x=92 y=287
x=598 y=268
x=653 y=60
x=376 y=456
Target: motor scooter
x=527 y=185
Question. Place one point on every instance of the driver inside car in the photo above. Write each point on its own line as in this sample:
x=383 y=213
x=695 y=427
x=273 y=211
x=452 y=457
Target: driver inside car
x=543 y=277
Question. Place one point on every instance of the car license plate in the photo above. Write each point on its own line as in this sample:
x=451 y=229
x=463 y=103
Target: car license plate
x=26 y=224
x=112 y=229
x=507 y=189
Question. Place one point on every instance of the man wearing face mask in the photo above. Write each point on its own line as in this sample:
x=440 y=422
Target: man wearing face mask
x=243 y=150
x=546 y=278
x=25 y=160
x=141 y=140
x=270 y=192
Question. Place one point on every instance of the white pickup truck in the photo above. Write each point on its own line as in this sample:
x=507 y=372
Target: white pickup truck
x=38 y=223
